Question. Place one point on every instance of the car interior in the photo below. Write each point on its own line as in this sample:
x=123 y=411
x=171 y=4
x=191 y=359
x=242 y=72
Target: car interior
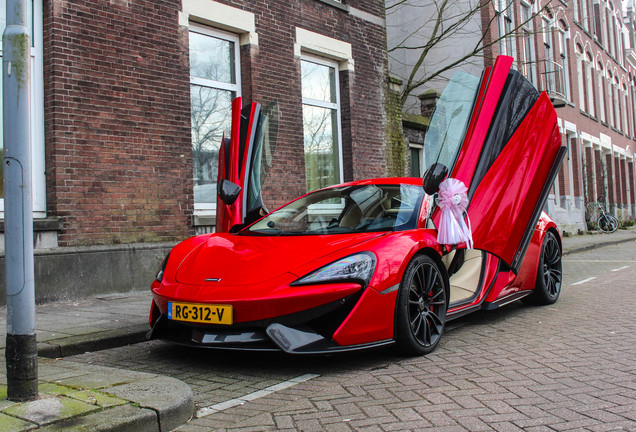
x=464 y=268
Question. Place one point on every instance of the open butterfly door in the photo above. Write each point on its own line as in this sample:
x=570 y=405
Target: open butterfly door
x=508 y=160
x=239 y=199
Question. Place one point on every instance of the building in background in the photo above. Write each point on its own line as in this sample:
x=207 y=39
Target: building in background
x=581 y=53
x=131 y=98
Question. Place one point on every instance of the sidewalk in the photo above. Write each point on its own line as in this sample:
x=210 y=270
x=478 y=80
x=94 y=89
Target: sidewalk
x=79 y=397
x=595 y=239
x=82 y=397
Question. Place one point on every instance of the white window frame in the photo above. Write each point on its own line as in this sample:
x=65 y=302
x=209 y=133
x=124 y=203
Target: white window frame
x=505 y=8
x=589 y=79
x=210 y=208
x=38 y=177
x=528 y=44
x=563 y=54
x=616 y=101
x=329 y=105
x=623 y=96
x=580 y=74
x=600 y=84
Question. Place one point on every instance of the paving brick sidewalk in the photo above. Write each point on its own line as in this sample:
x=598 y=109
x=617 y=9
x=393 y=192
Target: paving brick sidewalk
x=75 y=396
x=98 y=398
x=594 y=239
x=72 y=327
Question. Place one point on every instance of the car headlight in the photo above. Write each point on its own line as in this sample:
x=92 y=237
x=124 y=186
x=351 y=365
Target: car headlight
x=358 y=267
x=159 y=276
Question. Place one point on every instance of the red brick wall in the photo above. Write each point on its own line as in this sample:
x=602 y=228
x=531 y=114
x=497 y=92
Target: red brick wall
x=117 y=125
x=576 y=112
x=275 y=82
x=116 y=121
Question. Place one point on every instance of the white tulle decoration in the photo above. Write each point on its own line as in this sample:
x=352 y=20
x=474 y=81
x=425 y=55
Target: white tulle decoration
x=453 y=201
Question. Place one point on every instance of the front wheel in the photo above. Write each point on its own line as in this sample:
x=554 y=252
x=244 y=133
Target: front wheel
x=550 y=273
x=421 y=306
x=608 y=223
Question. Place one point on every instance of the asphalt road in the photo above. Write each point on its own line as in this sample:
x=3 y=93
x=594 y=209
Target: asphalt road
x=569 y=366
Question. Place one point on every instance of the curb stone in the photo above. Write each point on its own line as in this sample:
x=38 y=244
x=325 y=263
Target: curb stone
x=79 y=397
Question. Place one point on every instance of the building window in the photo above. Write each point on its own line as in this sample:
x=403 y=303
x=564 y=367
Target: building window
x=633 y=105
x=589 y=83
x=610 y=102
x=583 y=13
x=616 y=89
x=321 y=122
x=34 y=26
x=214 y=83
x=565 y=71
x=529 y=59
x=624 y=113
x=598 y=23
x=580 y=67
x=551 y=70
x=601 y=92
x=417 y=159
x=505 y=27
x=609 y=27
x=621 y=50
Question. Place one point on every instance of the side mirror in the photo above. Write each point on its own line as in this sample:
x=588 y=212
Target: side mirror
x=228 y=191
x=433 y=177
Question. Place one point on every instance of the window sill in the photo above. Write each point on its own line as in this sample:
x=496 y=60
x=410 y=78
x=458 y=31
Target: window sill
x=45 y=233
x=335 y=4
x=203 y=220
x=46 y=224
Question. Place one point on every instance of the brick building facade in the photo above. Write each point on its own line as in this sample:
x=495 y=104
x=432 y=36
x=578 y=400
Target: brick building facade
x=131 y=101
x=579 y=52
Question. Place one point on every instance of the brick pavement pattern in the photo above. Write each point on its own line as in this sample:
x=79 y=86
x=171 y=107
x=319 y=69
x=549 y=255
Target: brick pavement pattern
x=569 y=366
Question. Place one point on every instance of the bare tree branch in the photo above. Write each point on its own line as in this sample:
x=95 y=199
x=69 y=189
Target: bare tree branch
x=448 y=21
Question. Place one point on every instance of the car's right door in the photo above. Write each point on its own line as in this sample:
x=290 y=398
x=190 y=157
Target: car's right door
x=507 y=153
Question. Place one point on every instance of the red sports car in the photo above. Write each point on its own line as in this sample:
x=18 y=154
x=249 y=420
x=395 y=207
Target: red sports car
x=377 y=262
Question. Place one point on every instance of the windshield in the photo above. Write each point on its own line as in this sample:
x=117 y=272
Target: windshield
x=446 y=132
x=349 y=209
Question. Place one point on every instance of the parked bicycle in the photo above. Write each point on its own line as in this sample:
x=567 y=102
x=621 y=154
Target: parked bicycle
x=606 y=222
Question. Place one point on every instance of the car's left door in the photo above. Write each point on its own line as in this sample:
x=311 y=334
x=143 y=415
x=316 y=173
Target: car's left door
x=239 y=199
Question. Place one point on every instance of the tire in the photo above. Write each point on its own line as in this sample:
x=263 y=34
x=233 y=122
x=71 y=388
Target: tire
x=550 y=273
x=421 y=307
x=608 y=223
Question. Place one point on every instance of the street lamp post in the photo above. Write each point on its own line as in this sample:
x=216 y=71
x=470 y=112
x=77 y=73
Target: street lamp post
x=21 y=349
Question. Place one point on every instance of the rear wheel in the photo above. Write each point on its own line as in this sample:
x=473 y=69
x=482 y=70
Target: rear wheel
x=550 y=273
x=608 y=223
x=421 y=306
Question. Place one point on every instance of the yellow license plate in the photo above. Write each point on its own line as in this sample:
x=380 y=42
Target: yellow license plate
x=200 y=313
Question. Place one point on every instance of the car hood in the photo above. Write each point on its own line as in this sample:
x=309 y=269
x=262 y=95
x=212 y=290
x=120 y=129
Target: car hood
x=228 y=259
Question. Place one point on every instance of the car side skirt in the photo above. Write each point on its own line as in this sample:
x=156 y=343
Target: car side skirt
x=506 y=300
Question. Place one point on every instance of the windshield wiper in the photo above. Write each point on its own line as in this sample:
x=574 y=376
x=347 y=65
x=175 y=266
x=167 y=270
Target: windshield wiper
x=266 y=231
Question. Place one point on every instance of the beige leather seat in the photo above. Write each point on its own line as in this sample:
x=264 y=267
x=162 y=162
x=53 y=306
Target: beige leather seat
x=465 y=282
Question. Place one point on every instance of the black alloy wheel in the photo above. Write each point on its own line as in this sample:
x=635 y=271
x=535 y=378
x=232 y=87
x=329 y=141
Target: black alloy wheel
x=549 y=274
x=422 y=305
